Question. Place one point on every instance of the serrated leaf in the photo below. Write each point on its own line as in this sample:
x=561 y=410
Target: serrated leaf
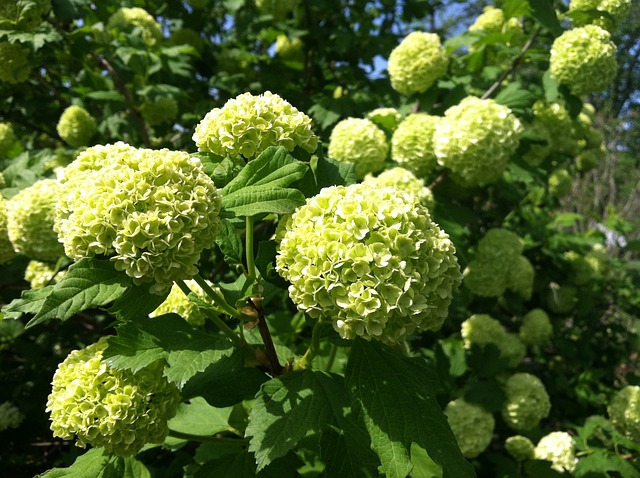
x=221 y=169
x=137 y=301
x=185 y=349
x=263 y=199
x=97 y=463
x=88 y=283
x=30 y=302
x=515 y=97
x=516 y=8
x=243 y=465
x=199 y=418
x=600 y=462
x=325 y=172
x=230 y=243
x=288 y=407
x=544 y=13
x=395 y=397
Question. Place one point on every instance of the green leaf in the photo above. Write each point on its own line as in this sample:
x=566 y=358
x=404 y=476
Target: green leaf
x=230 y=243
x=516 y=97
x=567 y=219
x=243 y=465
x=30 y=302
x=265 y=262
x=88 y=283
x=135 y=469
x=137 y=301
x=395 y=397
x=199 y=418
x=325 y=172
x=550 y=86
x=221 y=169
x=186 y=350
x=544 y=13
x=515 y=8
x=600 y=462
x=287 y=408
x=347 y=451
x=96 y=463
x=105 y=96
x=264 y=199
x=423 y=465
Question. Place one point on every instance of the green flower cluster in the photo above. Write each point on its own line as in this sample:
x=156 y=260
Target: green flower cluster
x=584 y=268
x=404 y=180
x=6 y=248
x=10 y=416
x=26 y=16
x=417 y=63
x=499 y=265
x=160 y=110
x=492 y=20
x=412 y=144
x=361 y=142
x=559 y=449
x=555 y=117
x=520 y=448
x=152 y=212
x=527 y=402
x=624 y=412
x=386 y=118
x=559 y=183
x=14 y=63
x=128 y=19
x=178 y=303
x=76 y=126
x=584 y=59
x=248 y=124
x=472 y=426
x=30 y=221
x=371 y=260
x=40 y=274
x=536 y=327
x=7 y=138
x=278 y=9
x=115 y=409
x=290 y=50
x=617 y=9
x=481 y=330
x=589 y=158
x=475 y=140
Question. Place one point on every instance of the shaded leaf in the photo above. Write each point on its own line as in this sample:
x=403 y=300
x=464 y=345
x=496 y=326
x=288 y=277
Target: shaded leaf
x=97 y=463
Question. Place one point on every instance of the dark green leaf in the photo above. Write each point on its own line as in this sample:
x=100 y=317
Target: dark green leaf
x=325 y=172
x=265 y=262
x=544 y=13
x=515 y=8
x=395 y=397
x=30 y=302
x=263 y=199
x=137 y=301
x=221 y=169
x=97 y=463
x=230 y=244
x=243 y=465
x=600 y=462
x=516 y=97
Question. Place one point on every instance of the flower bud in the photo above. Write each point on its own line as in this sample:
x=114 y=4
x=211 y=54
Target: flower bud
x=76 y=126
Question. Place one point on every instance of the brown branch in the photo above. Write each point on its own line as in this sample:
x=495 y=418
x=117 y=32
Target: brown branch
x=437 y=180
x=270 y=350
x=124 y=91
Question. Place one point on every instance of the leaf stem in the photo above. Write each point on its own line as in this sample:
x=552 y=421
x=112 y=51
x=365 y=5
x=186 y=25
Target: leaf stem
x=270 y=350
x=208 y=439
x=251 y=266
x=312 y=351
x=218 y=298
x=332 y=358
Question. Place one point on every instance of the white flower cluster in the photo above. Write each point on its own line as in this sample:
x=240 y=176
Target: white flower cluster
x=559 y=449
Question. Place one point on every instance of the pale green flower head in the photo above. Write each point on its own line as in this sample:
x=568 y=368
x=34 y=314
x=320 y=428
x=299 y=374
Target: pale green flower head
x=500 y=246
x=536 y=327
x=178 y=303
x=361 y=142
x=6 y=248
x=412 y=144
x=492 y=20
x=520 y=448
x=127 y=19
x=76 y=126
x=527 y=402
x=584 y=268
x=472 y=426
x=14 y=63
x=482 y=329
x=104 y=407
x=512 y=349
x=371 y=260
x=152 y=212
x=30 y=220
x=560 y=182
x=40 y=274
x=7 y=138
x=624 y=412
x=485 y=278
x=584 y=59
x=404 y=180
x=386 y=118
x=555 y=117
x=290 y=49
x=520 y=277
x=161 y=109
x=279 y=9
x=247 y=125
x=16 y=15
x=10 y=416
x=417 y=63
x=589 y=158
x=475 y=140
x=618 y=9
x=559 y=449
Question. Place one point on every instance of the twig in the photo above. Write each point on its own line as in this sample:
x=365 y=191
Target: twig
x=437 y=180
x=270 y=350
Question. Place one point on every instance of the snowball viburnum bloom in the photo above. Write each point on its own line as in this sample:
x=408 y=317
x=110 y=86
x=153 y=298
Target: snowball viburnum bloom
x=527 y=402
x=247 y=125
x=417 y=63
x=76 y=126
x=178 y=302
x=472 y=426
x=481 y=330
x=412 y=144
x=559 y=449
x=536 y=327
x=520 y=448
x=104 y=407
x=624 y=412
x=584 y=59
x=360 y=142
x=369 y=259
x=7 y=138
x=403 y=179
x=7 y=251
x=475 y=140
x=152 y=212
x=126 y=19
x=617 y=9
x=40 y=274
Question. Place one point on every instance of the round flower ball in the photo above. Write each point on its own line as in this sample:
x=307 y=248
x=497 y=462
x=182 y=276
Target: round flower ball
x=7 y=138
x=104 y=407
x=404 y=180
x=361 y=142
x=520 y=277
x=475 y=140
x=617 y=9
x=555 y=117
x=472 y=426
x=14 y=15
x=161 y=109
x=584 y=59
x=589 y=158
x=527 y=402
x=290 y=49
x=560 y=182
x=41 y=274
x=76 y=126
x=536 y=327
x=500 y=246
x=152 y=212
x=559 y=449
x=247 y=125
x=14 y=63
x=412 y=144
x=279 y=9
x=10 y=416
x=177 y=302
x=127 y=19
x=30 y=219
x=485 y=278
x=7 y=251
x=385 y=118
x=370 y=260
x=417 y=63
x=520 y=448
x=492 y=20
x=624 y=412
